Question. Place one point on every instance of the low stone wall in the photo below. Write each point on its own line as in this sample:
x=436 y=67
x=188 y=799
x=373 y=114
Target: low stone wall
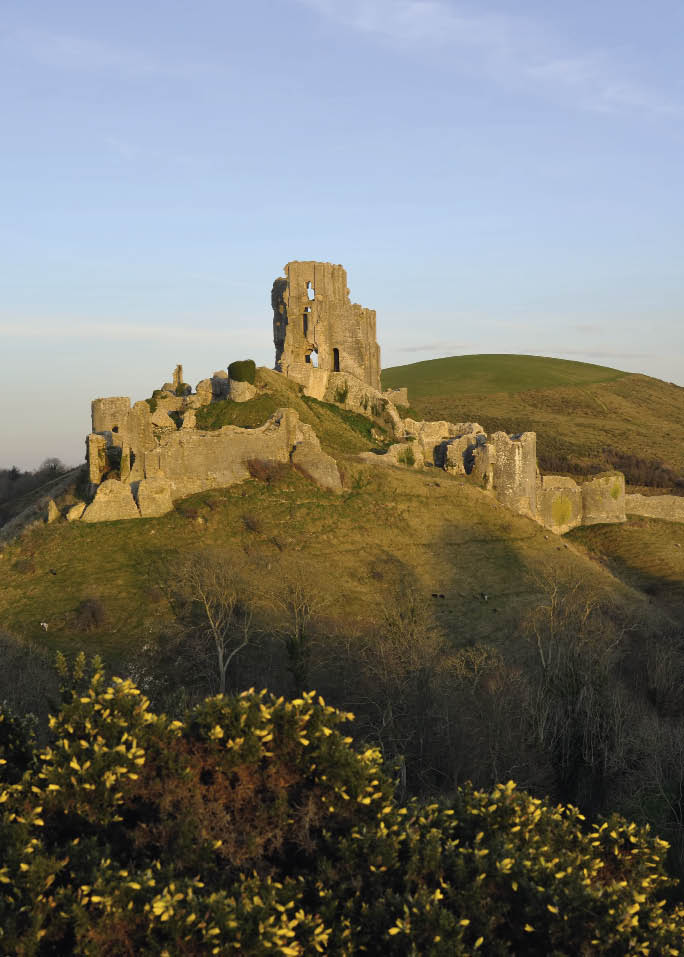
x=559 y=503
x=193 y=461
x=397 y=396
x=603 y=499
x=670 y=508
x=434 y=439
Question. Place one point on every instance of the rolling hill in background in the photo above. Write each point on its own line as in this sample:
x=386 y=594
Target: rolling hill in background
x=587 y=417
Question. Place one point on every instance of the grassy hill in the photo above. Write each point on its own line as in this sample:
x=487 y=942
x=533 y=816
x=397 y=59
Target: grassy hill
x=485 y=374
x=586 y=417
x=389 y=528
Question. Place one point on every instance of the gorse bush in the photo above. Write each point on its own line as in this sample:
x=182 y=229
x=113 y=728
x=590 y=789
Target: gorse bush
x=243 y=371
x=254 y=827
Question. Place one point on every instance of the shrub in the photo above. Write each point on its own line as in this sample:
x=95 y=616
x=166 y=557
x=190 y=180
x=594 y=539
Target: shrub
x=252 y=522
x=341 y=393
x=244 y=371
x=152 y=402
x=183 y=389
x=246 y=415
x=17 y=744
x=267 y=471
x=407 y=457
x=90 y=615
x=252 y=826
x=25 y=566
x=187 y=510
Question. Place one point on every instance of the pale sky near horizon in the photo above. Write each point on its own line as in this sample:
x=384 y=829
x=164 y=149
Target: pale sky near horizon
x=494 y=177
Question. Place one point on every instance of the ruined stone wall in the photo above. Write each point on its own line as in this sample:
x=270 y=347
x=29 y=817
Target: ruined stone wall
x=670 y=508
x=317 y=330
x=122 y=427
x=513 y=463
x=397 y=396
x=444 y=443
x=192 y=461
x=603 y=499
x=559 y=503
x=186 y=461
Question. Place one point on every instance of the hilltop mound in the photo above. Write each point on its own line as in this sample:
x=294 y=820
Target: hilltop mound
x=484 y=374
x=479 y=564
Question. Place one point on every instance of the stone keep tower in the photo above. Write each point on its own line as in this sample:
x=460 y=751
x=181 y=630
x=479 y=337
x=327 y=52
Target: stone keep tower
x=318 y=331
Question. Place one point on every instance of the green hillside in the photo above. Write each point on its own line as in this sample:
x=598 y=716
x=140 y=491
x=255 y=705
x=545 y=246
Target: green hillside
x=389 y=528
x=482 y=374
x=587 y=417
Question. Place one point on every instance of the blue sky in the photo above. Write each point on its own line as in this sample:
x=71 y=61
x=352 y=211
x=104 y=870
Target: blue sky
x=494 y=178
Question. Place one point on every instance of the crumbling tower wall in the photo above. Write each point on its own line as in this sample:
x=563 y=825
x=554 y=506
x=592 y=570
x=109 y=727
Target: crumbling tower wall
x=317 y=330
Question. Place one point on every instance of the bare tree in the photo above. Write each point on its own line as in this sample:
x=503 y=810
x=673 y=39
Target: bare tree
x=581 y=713
x=209 y=600
x=400 y=664
x=298 y=603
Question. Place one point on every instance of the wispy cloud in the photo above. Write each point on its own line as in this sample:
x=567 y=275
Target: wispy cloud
x=443 y=345
x=605 y=354
x=510 y=49
x=111 y=331
x=83 y=54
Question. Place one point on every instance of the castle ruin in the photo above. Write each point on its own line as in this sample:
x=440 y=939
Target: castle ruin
x=318 y=331
x=142 y=457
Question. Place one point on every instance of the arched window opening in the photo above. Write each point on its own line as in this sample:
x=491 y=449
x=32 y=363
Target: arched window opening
x=336 y=360
x=310 y=291
x=312 y=358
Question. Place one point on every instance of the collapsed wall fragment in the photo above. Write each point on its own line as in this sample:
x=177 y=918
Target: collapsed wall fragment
x=142 y=458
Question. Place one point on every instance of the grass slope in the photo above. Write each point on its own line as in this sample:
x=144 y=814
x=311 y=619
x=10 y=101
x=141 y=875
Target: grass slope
x=339 y=430
x=576 y=409
x=482 y=374
x=646 y=553
x=392 y=525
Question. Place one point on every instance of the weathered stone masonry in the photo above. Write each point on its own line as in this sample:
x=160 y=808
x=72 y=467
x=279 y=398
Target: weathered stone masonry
x=328 y=345
x=317 y=330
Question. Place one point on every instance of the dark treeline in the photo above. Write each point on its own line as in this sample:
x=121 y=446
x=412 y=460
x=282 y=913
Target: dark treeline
x=582 y=704
x=15 y=483
x=647 y=473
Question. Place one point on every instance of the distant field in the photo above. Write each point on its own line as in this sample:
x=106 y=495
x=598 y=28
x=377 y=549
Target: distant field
x=578 y=410
x=493 y=373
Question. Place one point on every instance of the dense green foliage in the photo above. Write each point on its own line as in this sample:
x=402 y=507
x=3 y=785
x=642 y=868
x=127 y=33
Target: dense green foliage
x=253 y=826
x=243 y=371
